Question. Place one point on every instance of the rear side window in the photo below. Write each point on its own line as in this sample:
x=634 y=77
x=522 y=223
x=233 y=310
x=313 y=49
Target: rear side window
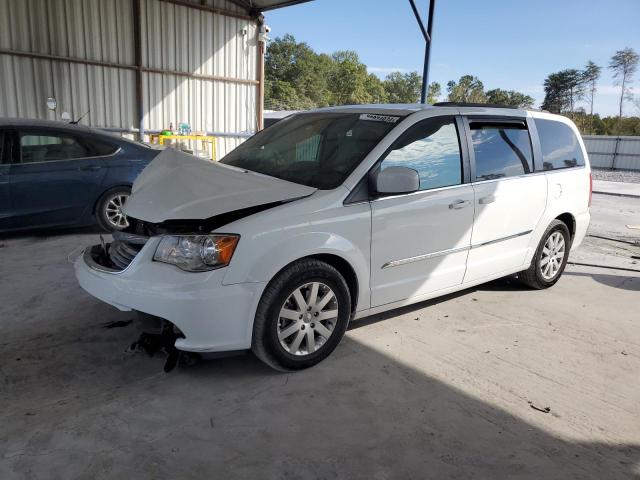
x=431 y=148
x=501 y=150
x=100 y=147
x=560 y=146
x=50 y=146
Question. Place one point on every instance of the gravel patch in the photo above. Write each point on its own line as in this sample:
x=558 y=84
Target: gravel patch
x=628 y=176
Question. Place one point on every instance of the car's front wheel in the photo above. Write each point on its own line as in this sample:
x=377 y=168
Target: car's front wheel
x=550 y=258
x=109 y=213
x=302 y=315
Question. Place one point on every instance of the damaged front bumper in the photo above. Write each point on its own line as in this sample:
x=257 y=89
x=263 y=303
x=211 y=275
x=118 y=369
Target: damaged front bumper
x=213 y=317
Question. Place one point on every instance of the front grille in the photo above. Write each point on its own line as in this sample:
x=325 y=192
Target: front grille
x=124 y=248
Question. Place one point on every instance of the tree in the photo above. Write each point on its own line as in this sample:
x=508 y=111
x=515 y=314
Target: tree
x=376 y=89
x=348 y=79
x=297 y=65
x=509 y=98
x=591 y=74
x=469 y=89
x=555 y=94
x=433 y=92
x=281 y=95
x=403 y=87
x=562 y=90
x=407 y=87
x=624 y=65
x=575 y=85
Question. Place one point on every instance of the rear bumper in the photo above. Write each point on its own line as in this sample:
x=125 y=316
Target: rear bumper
x=213 y=317
x=582 y=224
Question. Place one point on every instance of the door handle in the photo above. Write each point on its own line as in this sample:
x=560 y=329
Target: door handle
x=488 y=199
x=458 y=204
x=90 y=168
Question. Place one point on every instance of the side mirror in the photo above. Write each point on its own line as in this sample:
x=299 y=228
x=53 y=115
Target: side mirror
x=397 y=180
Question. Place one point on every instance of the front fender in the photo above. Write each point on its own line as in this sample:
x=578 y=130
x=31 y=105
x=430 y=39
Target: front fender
x=255 y=263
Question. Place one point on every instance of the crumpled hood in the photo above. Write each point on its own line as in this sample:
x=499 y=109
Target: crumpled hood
x=178 y=186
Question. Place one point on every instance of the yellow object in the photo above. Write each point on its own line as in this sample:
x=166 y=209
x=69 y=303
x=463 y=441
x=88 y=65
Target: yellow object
x=156 y=138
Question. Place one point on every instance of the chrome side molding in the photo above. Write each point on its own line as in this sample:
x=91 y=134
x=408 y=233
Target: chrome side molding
x=426 y=256
x=403 y=261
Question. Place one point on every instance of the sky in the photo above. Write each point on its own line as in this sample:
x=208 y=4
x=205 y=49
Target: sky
x=509 y=44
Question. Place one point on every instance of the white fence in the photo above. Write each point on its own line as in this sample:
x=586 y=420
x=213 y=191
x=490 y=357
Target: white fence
x=614 y=153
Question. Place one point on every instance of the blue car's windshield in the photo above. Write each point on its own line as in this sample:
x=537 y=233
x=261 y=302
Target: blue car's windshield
x=315 y=149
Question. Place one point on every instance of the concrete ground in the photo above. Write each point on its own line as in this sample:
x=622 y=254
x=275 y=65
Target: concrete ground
x=494 y=382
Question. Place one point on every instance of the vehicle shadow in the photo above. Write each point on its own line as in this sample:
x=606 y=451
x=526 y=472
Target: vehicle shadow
x=624 y=282
x=73 y=402
x=506 y=284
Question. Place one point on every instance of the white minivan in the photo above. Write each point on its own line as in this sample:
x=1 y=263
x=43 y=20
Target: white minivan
x=340 y=213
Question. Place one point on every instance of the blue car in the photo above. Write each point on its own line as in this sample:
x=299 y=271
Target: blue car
x=54 y=174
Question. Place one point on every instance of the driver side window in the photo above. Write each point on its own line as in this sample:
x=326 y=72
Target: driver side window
x=430 y=147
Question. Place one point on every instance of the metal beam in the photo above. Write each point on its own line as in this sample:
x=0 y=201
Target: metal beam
x=98 y=63
x=427 y=52
x=207 y=8
x=213 y=78
x=260 y=68
x=425 y=35
x=58 y=58
x=137 y=47
x=283 y=4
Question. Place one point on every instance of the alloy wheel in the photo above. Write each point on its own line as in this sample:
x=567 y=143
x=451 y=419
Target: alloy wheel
x=307 y=318
x=552 y=257
x=113 y=210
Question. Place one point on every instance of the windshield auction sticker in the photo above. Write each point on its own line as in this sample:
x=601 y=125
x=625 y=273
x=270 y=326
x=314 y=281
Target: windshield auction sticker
x=378 y=118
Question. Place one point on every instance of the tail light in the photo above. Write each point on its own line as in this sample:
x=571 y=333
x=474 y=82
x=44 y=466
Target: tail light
x=590 y=187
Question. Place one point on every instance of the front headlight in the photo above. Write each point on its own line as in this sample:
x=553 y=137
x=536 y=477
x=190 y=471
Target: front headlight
x=196 y=253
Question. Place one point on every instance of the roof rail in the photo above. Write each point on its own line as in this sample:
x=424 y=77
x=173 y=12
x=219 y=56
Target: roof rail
x=463 y=104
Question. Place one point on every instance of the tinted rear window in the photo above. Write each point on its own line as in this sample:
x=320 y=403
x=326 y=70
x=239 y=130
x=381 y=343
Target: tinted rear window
x=560 y=146
x=501 y=150
x=101 y=147
x=48 y=145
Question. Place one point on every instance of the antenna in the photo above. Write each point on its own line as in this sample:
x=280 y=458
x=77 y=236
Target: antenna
x=75 y=122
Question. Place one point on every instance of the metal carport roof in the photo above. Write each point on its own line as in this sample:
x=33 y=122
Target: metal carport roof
x=263 y=5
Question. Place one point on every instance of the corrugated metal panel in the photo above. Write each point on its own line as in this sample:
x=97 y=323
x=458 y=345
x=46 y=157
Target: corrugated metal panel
x=174 y=37
x=620 y=153
x=196 y=41
x=88 y=29
x=174 y=100
x=106 y=93
x=100 y=30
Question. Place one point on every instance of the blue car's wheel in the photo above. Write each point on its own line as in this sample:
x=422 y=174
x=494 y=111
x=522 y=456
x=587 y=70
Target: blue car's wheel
x=109 y=212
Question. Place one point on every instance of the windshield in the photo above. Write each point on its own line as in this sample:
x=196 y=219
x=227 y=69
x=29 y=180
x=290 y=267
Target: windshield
x=315 y=149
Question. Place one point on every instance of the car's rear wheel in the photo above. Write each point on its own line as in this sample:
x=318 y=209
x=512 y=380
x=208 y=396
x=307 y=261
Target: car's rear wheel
x=550 y=258
x=109 y=212
x=302 y=316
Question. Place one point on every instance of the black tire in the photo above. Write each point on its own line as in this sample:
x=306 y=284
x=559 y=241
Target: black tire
x=102 y=216
x=265 y=342
x=533 y=276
